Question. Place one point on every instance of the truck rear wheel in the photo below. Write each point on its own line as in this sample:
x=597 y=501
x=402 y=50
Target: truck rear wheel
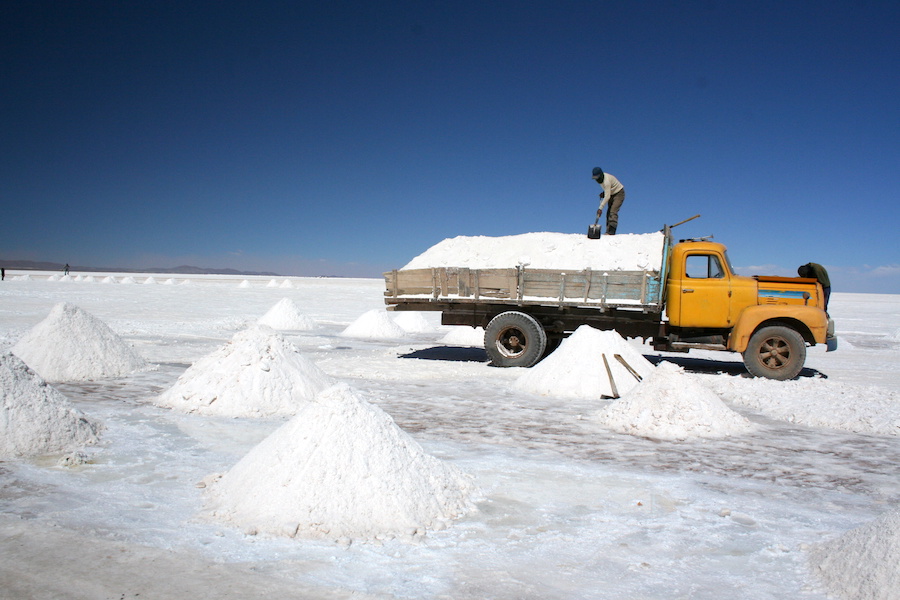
x=775 y=352
x=514 y=339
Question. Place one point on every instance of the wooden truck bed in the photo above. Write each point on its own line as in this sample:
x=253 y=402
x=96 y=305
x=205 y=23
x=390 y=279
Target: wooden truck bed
x=430 y=289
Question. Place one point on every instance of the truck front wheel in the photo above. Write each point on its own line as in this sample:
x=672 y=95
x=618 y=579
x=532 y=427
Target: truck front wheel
x=775 y=352
x=514 y=339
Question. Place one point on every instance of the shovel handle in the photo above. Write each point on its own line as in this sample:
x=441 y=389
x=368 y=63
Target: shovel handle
x=683 y=222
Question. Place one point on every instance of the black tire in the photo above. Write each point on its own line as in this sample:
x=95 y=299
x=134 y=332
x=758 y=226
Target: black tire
x=514 y=339
x=775 y=352
x=552 y=344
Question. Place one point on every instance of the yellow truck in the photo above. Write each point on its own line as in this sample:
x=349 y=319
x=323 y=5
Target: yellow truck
x=695 y=300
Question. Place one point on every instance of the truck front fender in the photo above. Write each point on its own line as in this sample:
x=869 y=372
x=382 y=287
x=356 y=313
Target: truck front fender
x=811 y=322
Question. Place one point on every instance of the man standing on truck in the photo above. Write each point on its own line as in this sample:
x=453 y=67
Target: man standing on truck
x=614 y=194
x=816 y=271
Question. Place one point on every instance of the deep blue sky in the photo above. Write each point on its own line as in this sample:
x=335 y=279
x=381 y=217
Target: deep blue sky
x=347 y=137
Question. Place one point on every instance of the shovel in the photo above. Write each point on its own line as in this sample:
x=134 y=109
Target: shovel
x=594 y=230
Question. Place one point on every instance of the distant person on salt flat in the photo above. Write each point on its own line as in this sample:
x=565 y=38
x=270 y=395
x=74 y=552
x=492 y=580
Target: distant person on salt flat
x=816 y=271
x=614 y=194
x=66 y=270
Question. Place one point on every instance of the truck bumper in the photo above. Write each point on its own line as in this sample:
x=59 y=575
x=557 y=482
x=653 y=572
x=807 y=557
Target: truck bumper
x=831 y=342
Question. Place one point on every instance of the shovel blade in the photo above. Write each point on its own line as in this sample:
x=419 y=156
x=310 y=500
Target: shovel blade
x=594 y=232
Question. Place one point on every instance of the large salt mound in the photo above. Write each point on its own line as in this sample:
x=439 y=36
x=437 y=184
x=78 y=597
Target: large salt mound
x=34 y=417
x=286 y=316
x=257 y=374
x=342 y=470
x=576 y=369
x=863 y=563
x=413 y=322
x=626 y=252
x=375 y=324
x=672 y=405
x=460 y=335
x=73 y=345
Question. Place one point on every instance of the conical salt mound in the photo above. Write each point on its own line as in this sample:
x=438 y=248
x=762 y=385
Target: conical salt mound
x=862 y=563
x=286 y=316
x=672 y=405
x=341 y=469
x=577 y=369
x=413 y=322
x=460 y=335
x=73 y=345
x=374 y=325
x=257 y=374
x=34 y=417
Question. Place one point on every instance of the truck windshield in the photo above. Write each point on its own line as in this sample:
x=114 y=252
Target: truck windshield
x=730 y=265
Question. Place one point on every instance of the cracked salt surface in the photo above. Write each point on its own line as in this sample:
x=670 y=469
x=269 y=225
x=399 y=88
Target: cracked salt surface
x=570 y=509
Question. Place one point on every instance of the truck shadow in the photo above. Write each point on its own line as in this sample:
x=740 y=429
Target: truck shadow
x=689 y=364
x=706 y=365
x=449 y=353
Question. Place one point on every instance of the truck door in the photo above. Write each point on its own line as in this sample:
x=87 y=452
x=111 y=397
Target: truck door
x=705 y=292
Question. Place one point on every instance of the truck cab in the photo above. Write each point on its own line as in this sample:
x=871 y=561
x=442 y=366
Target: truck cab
x=770 y=320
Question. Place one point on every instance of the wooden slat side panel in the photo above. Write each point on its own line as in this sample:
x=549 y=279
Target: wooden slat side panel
x=412 y=282
x=587 y=286
x=541 y=284
x=451 y=281
x=624 y=285
x=497 y=283
x=576 y=287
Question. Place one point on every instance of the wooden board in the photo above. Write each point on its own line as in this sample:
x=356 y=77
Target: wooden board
x=525 y=286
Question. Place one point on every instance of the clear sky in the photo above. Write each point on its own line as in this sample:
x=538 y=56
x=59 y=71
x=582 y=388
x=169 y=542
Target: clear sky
x=344 y=138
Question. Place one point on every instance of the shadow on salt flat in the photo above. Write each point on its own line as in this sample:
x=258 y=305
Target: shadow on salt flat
x=706 y=365
x=449 y=353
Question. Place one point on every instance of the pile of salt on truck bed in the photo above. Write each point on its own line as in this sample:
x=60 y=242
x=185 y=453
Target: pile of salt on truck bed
x=683 y=295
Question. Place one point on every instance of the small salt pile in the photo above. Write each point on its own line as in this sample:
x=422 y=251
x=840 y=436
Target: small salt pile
x=672 y=405
x=34 y=417
x=128 y=279
x=73 y=345
x=460 y=335
x=272 y=283
x=150 y=281
x=862 y=563
x=577 y=369
x=285 y=315
x=286 y=284
x=376 y=324
x=244 y=284
x=257 y=374
x=413 y=322
x=341 y=470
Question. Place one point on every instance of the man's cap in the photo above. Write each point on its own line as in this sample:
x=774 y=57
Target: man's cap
x=597 y=174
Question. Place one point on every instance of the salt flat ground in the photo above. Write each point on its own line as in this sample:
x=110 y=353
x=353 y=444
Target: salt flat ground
x=568 y=508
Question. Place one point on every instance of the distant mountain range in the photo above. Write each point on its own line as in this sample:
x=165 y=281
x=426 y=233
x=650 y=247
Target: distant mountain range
x=30 y=265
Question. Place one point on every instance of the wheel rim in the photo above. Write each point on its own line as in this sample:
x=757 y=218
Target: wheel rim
x=512 y=342
x=775 y=353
